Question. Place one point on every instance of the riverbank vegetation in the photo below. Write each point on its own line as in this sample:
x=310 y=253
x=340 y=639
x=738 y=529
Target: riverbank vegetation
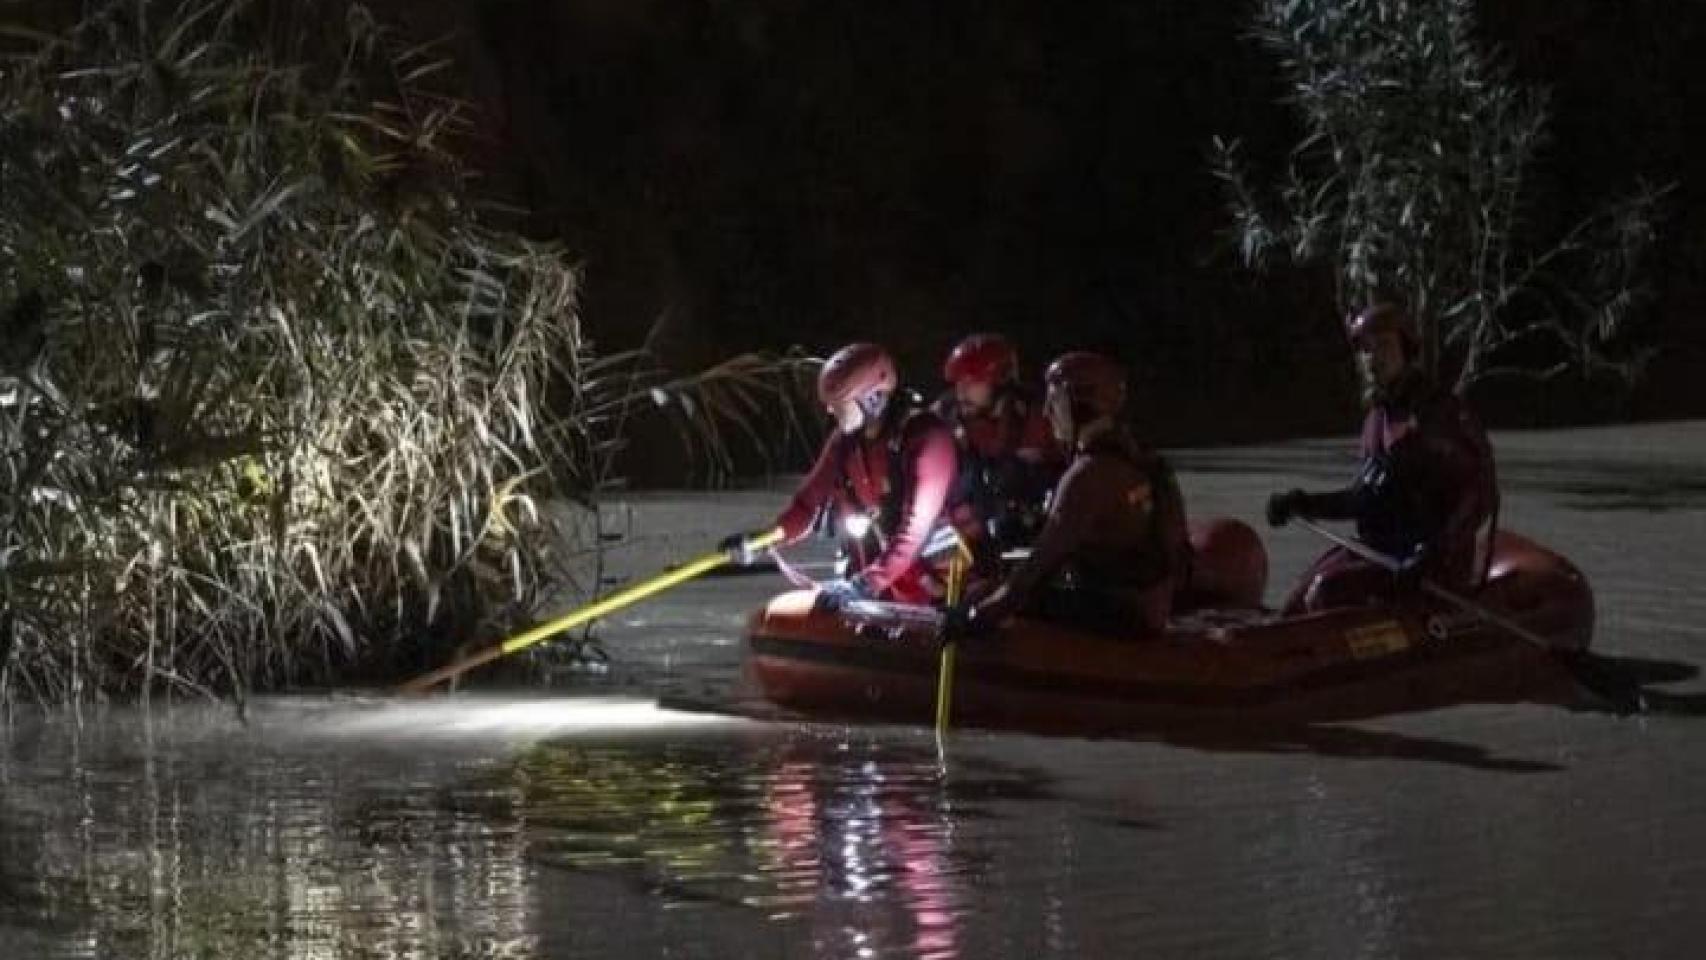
x=1413 y=180
x=278 y=403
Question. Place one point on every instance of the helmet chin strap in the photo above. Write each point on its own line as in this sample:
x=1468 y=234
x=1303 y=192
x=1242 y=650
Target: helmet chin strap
x=1058 y=408
x=873 y=404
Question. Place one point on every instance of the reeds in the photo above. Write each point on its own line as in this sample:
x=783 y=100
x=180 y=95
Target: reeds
x=1414 y=179
x=271 y=392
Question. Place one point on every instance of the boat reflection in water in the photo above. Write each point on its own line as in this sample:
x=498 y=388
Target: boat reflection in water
x=864 y=833
x=841 y=849
x=330 y=830
x=506 y=827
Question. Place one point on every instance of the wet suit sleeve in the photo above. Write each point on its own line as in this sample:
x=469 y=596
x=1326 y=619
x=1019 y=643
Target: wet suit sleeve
x=1333 y=505
x=933 y=462
x=1070 y=520
x=814 y=491
x=1344 y=503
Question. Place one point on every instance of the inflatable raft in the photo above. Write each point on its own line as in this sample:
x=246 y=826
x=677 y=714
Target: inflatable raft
x=1214 y=664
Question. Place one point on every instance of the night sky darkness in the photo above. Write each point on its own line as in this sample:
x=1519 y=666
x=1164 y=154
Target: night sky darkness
x=765 y=172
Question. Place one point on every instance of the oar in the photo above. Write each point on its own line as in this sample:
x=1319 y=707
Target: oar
x=586 y=614
x=945 y=667
x=1623 y=696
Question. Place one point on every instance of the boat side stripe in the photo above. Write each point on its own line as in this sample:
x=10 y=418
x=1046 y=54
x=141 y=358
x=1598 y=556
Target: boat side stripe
x=876 y=659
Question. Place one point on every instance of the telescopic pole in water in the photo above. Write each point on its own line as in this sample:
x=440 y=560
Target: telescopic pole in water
x=945 y=668
x=592 y=611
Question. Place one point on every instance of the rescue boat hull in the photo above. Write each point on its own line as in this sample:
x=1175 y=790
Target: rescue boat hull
x=1241 y=666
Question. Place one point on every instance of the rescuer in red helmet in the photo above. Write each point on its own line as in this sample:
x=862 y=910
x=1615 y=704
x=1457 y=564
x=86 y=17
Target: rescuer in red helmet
x=1008 y=457
x=1427 y=492
x=886 y=471
x=1114 y=546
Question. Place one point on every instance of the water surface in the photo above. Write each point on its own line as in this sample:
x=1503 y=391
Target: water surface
x=586 y=821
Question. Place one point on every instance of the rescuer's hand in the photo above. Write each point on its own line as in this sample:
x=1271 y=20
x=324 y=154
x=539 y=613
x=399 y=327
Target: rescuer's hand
x=1283 y=507
x=832 y=595
x=738 y=548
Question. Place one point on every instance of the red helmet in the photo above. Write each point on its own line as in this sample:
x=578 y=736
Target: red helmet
x=1089 y=379
x=1380 y=318
x=855 y=371
x=982 y=358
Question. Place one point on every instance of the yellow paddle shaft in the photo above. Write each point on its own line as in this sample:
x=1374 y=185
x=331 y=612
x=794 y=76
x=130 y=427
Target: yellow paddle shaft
x=945 y=668
x=592 y=611
x=945 y=688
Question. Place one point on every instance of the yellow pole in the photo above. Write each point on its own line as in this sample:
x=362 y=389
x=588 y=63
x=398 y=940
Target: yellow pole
x=945 y=667
x=592 y=611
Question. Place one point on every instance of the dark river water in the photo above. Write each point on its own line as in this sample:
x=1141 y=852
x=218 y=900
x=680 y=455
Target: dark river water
x=583 y=819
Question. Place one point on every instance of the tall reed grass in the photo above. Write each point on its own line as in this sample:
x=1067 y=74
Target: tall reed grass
x=272 y=391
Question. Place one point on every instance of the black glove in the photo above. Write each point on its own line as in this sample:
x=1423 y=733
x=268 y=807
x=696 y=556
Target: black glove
x=1282 y=507
x=1407 y=579
x=832 y=595
x=736 y=546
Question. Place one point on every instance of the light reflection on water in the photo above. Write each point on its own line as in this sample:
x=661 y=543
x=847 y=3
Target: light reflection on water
x=355 y=828
x=345 y=829
x=129 y=840
x=850 y=845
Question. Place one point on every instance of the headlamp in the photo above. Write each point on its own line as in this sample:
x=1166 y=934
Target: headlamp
x=856 y=525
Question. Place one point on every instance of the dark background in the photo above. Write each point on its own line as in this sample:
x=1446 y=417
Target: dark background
x=758 y=173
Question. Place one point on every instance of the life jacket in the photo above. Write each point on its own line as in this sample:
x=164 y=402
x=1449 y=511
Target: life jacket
x=1003 y=495
x=905 y=417
x=1401 y=502
x=1156 y=559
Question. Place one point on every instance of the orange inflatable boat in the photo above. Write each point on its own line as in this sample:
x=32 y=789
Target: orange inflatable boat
x=1216 y=663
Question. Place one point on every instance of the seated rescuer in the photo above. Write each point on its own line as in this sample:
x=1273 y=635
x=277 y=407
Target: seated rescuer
x=1008 y=458
x=1426 y=493
x=886 y=470
x=1115 y=531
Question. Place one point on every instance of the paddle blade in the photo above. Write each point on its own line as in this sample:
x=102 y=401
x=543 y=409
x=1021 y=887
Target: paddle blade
x=1601 y=679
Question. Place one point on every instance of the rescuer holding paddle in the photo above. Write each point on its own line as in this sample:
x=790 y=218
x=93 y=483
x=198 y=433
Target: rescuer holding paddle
x=1426 y=492
x=886 y=471
x=1114 y=546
